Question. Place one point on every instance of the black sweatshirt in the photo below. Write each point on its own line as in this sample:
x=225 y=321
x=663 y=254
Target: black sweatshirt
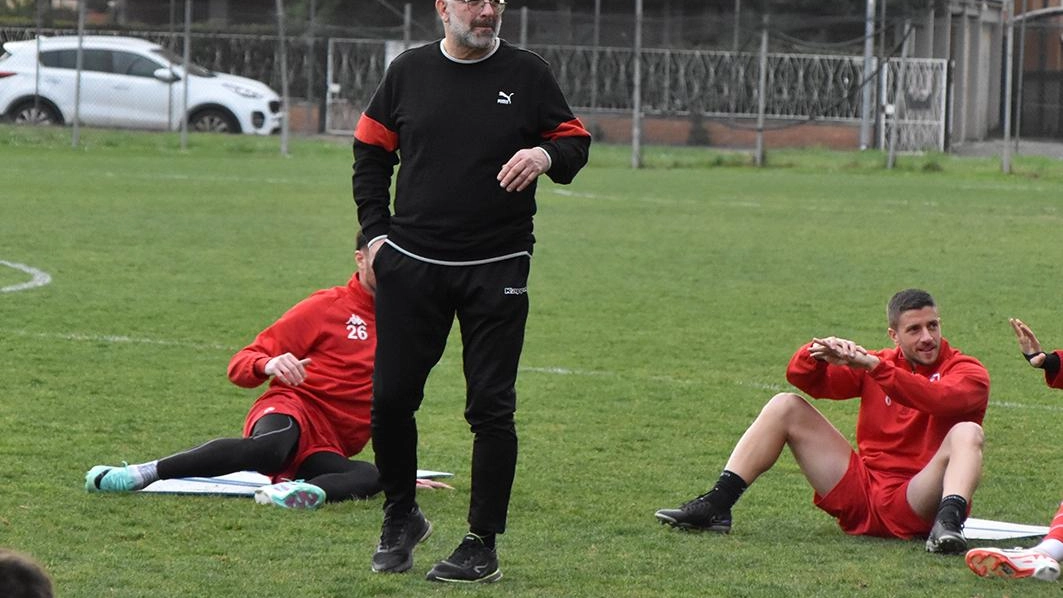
x=455 y=124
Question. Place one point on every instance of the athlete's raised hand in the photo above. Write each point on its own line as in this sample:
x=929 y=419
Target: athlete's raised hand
x=1028 y=343
x=841 y=351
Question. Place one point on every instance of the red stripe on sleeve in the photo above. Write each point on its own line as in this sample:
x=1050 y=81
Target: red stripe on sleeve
x=572 y=128
x=372 y=132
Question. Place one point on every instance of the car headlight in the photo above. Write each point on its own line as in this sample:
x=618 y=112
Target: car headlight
x=242 y=91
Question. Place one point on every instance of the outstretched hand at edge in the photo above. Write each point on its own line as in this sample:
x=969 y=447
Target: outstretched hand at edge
x=1028 y=343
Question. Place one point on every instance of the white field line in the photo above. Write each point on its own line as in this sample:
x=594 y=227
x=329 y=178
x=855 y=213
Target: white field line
x=122 y=339
x=668 y=201
x=564 y=371
x=556 y=371
x=39 y=277
x=198 y=178
x=1012 y=405
x=118 y=339
x=884 y=207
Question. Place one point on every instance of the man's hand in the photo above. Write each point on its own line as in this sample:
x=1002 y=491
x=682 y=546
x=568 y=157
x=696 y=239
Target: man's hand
x=287 y=369
x=1028 y=343
x=523 y=168
x=432 y=484
x=840 y=351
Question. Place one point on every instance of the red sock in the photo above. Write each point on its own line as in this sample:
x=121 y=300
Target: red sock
x=1055 y=530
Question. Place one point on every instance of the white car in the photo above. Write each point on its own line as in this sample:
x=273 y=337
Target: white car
x=127 y=82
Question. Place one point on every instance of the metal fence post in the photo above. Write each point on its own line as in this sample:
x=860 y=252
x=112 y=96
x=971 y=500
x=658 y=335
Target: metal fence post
x=76 y=136
x=285 y=102
x=407 y=25
x=636 y=100
x=594 y=55
x=1022 y=71
x=865 y=109
x=1009 y=14
x=187 y=58
x=308 y=62
x=762 y=90
x=899 y=89
x=524 y=26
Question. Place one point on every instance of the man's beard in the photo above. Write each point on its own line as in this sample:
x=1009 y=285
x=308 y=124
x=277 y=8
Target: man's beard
x=472 y=39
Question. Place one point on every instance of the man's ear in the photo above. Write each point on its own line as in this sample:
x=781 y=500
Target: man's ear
x=893 y=336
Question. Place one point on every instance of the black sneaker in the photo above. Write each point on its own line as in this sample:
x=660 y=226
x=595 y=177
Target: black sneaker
x=698 y=515
x=398 y=537
x=946 y=537
x=471 y=562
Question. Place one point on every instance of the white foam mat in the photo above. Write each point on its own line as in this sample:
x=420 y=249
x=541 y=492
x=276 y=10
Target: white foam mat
x=241 y=483
x=987 y=529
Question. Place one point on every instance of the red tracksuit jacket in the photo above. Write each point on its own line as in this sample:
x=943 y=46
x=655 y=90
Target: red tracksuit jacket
x=905 y=410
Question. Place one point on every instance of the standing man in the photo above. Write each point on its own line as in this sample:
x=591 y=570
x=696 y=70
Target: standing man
x=476 y=121
x=918 y=434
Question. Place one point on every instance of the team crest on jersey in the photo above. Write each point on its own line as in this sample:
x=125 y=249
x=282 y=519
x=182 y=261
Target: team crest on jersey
x=357 y=328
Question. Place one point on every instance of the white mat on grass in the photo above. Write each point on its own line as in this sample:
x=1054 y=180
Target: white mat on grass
x=987 y=529
x=241 y=483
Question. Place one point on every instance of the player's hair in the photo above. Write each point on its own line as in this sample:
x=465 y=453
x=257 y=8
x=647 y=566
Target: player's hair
x=360 y=241
x=907 y=300
x=22 y=577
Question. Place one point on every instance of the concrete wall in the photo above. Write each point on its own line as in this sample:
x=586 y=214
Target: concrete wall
x=616 y=128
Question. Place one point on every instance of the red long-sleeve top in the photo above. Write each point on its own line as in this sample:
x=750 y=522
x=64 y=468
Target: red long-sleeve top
x=905 y=409
x=336 y=329
x=1057 y=380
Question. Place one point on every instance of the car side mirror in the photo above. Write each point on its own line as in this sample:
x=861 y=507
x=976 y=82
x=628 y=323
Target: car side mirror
x=166 y=75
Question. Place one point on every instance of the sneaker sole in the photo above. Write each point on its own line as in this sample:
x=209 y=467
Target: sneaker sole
x=991 y=565
x=489 y=578
x=408 y=563
x=686 y=527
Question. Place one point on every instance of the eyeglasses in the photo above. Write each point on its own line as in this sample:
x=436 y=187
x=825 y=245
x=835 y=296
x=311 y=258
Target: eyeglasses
x=477 y=5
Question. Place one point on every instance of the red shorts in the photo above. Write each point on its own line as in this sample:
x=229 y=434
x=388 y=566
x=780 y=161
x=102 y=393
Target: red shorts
x=869 y=503
x=317 y=432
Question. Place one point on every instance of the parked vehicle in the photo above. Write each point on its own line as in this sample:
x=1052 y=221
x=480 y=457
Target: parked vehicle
x=127 y=82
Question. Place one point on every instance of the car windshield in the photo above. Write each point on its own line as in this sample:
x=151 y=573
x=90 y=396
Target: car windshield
x=193 y=68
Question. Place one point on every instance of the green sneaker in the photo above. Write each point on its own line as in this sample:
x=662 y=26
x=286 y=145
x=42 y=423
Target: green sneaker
x=110 y=478
x=291 y=495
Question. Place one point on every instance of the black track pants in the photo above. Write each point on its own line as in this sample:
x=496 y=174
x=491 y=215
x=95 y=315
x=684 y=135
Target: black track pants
x=416 y=303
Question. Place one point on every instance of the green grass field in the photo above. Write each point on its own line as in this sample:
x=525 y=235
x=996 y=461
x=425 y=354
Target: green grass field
x=665 y=305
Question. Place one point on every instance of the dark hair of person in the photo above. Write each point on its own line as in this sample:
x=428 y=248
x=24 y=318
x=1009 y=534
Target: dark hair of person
x=907 y=300
x=22 y=577
x=360 y=241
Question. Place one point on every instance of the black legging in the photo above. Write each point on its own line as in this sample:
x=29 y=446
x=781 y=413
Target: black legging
x=272 y=443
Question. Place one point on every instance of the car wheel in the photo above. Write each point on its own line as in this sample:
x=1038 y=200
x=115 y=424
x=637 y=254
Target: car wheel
x=213 y=120
x=35 y=113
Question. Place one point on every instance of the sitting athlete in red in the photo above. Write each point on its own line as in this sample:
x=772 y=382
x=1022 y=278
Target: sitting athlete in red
x=919 y=436
x=318 y=358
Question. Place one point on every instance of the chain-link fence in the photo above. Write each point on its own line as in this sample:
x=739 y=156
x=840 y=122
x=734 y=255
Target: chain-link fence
x=700 y=72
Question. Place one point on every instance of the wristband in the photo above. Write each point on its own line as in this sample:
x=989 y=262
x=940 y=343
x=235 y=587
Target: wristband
x=1030 y=357
x=1051 y=364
